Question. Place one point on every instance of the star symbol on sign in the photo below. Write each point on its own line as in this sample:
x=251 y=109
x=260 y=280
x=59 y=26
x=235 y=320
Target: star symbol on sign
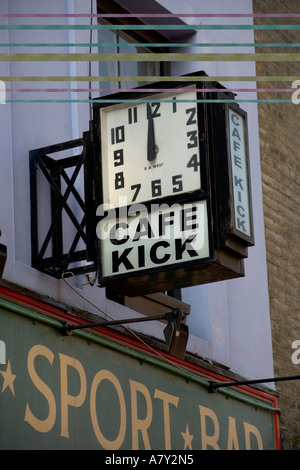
x=8 y=379
x=187 y=438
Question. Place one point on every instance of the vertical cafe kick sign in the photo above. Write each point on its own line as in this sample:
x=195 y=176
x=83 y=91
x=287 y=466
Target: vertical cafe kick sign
x=239 y=168
x=153 y=179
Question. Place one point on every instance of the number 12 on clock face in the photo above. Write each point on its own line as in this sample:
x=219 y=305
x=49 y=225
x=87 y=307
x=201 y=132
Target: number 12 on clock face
x=150 y=149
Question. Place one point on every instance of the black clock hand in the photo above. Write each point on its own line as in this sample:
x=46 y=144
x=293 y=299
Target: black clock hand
x=151 y=147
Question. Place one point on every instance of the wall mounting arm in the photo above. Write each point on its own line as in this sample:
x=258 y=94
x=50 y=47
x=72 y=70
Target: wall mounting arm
x=176 y=332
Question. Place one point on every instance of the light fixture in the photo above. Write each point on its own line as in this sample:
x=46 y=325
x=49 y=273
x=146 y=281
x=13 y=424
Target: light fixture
x=3 y=254
x=176 y=334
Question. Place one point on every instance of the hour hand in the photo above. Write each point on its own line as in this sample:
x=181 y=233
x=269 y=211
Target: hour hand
x=151 y=147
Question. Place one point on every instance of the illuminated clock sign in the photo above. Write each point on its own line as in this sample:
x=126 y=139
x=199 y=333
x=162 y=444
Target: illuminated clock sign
x=150 y=150
x=171 y=188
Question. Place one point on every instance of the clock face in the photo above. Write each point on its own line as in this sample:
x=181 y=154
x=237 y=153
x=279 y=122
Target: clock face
x=150 y=150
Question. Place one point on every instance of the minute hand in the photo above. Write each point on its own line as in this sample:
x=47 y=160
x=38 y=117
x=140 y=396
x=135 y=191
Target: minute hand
x=151 y=147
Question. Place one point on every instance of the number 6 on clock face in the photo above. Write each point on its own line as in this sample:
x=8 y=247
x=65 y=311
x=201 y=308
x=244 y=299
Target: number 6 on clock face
x=150 y=149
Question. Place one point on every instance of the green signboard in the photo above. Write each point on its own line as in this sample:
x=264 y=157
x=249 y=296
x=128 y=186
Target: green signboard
x=75 y=392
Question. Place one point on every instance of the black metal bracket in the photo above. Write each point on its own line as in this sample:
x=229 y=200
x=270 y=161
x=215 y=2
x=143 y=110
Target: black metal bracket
x=57 y=199
x=214 y=386
x=176 y=332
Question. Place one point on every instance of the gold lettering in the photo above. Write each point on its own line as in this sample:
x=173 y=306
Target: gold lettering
x=250 y=429
x=167 y=400
x=66 y=399
x=40 y=425
x=105 y=443
x=137 y=423
x=209 y=440
x=232 y=442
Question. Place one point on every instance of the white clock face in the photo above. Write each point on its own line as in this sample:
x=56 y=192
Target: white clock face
x=150 y=150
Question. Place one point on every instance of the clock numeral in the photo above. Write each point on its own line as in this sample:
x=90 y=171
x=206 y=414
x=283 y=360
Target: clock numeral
x=152 y=111
x=191 y=120
x=136 y=188
x=117 y=135
x=177 y=183
x=156 y=188
x=193 y=139
x=118 y=157
x=193 y=162
x=119 y=180
x=132 y=115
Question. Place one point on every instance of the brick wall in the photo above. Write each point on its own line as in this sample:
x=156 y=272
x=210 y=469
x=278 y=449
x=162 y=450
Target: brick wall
x=279 y=126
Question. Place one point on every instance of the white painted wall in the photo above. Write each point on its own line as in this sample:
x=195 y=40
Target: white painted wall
x=229 y=321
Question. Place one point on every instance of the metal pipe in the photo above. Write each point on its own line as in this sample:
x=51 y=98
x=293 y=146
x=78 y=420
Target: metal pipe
x=216 y=385
x=67 y=328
